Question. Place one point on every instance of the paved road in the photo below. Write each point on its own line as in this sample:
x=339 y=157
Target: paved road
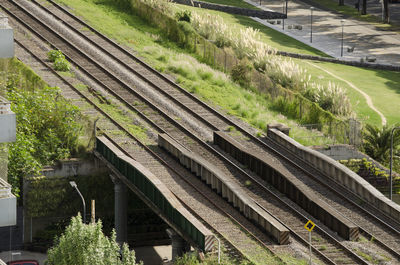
x=374 y=7
x=327 y=32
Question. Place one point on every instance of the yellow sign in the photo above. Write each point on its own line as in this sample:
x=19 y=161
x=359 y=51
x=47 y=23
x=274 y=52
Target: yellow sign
x=309 y=225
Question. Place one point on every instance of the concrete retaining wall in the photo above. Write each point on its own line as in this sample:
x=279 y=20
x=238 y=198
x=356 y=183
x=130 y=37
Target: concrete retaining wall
x=74 y=167
x=339 y=173
x=233 y=9
x=340 y=61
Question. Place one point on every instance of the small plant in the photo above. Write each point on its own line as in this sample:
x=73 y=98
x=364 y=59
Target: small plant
x=62 y=65
x=53 y=55
x=241 y=74
x=322 y=248
x=184 y=15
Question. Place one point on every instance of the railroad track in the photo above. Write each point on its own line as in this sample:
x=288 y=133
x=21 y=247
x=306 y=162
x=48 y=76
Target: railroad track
x=215 y=121
x=109 y=124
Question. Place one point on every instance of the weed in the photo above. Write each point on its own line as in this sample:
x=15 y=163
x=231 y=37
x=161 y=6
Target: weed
x=53 y=55
x=184 y=15
x=322 y=248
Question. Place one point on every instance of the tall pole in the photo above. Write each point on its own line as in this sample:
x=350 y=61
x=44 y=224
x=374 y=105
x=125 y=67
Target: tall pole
x=341 y=50
x=285 y=11
x=283 y=20
x=391 y=161
x=309 y=240
x=73 y=184
x=311 y=9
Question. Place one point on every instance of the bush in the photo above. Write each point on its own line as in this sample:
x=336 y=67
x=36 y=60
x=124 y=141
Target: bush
x=241 y=74
x=53 y=55
x=185 y=15
x=61 y=64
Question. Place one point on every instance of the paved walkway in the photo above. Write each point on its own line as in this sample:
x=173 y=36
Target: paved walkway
x=374 y=7
x=327 y=32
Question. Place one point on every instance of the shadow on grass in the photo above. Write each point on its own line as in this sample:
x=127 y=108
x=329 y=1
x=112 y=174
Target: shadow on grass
x=278 y=37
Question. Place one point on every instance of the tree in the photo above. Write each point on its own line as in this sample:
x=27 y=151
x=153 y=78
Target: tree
x=341 y=2
x=377 y=142
x=85 y=244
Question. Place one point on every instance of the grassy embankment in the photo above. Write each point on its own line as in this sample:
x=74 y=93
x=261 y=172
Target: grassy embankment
x=215 y=87
x=378 y=84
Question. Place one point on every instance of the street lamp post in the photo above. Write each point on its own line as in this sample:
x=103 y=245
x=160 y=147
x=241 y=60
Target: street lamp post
x=341 y=49
x=73 y=185
x=311 y=9
x=285 y=11
x=391 y=160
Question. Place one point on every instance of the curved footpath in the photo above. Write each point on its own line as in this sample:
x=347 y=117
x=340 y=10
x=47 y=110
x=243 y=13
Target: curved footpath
x=366 y=39
x=365 y=95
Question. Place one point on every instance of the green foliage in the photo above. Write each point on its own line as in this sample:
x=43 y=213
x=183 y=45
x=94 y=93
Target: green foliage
x=53 y=55
x=47 y=129
x=51 y=196
x=209 y=259
x=61 y=64
x=85 y=244
x=184 y=15
x=376 y=142
x=241 y=74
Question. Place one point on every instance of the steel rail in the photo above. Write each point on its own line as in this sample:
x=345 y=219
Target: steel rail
x=232 y=123
x=121 y=127
x=206 y=145
x=229 y=121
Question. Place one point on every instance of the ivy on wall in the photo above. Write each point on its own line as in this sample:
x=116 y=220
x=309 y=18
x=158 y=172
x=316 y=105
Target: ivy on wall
x=48 y=127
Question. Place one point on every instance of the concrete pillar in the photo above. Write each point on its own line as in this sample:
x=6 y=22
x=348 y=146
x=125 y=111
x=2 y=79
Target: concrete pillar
x=179 y=245
x=120 y=211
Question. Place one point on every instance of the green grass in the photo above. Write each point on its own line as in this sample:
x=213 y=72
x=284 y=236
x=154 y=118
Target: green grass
x=116 y=113
x=381 y=86
x=378 y=84
x=270 y=36
x=213 y=86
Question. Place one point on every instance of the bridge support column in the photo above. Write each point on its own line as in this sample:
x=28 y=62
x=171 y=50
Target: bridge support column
x=179 y=245
x=120 y=211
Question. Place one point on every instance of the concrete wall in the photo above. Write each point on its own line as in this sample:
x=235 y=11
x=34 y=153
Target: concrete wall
x=341 y=61
x=341 y=152
x=73 y=167
x=233 y=10
x=340 y=173
x=6 y=43
x=347 y=152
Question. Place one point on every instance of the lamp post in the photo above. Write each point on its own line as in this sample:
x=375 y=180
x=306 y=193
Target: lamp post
x=311 y=9
x=391 y=160
x=73 y=185
x=285 y=11
x=341 y=49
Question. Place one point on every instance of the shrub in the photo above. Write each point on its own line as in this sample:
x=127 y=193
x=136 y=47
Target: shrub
x=53 y=55
x=185 y=15
x=241 y=74
x=61 y=64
